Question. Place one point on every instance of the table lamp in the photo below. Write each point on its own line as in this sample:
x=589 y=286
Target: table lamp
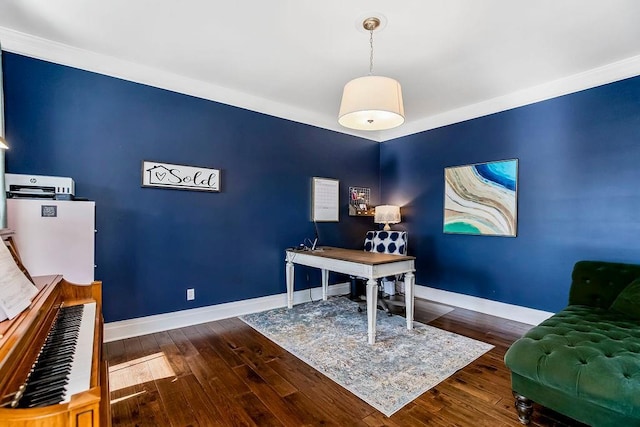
x=387 y=214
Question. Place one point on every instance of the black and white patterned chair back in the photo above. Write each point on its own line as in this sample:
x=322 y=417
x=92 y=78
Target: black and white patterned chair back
x=386 y=242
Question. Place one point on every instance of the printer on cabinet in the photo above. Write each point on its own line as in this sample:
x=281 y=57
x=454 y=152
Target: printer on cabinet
x=39 y=186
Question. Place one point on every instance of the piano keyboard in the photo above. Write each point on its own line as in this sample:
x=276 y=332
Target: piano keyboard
x=80 y=376
x=63 y=367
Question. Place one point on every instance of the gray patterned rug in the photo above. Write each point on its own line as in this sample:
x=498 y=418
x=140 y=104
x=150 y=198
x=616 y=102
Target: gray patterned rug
x=331 y=336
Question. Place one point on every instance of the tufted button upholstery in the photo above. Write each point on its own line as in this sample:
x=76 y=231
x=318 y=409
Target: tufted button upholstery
x=598 y=283
x=586 y=352
x=584 y=361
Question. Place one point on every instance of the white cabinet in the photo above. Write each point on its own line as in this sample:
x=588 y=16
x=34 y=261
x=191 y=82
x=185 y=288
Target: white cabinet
x=55 y=237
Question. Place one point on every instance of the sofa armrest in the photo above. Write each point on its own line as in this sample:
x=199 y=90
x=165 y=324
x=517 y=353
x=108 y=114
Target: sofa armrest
x=598 y=283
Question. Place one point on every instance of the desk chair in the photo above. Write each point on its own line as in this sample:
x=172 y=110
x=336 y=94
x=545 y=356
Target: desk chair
x=387 y=242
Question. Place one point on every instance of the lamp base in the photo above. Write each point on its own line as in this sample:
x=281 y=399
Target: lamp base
x=387 y=227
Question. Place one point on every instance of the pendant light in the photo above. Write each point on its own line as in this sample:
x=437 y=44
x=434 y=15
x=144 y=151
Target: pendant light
x=371 y=102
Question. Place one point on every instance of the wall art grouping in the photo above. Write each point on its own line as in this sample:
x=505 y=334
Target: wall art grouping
x=481 y=199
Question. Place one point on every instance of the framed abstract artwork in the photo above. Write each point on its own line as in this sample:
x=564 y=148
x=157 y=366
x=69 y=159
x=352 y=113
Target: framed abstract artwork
x=481 y=199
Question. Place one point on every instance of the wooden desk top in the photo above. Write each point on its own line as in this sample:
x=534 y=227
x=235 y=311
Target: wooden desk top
x=355 y=255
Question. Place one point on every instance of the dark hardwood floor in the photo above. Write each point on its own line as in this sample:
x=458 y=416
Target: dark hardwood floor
x=224 y=373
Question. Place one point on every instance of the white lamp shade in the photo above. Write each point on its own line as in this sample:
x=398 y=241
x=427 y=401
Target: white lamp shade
x=371 y=103
x=387 y=214
x=3 y=143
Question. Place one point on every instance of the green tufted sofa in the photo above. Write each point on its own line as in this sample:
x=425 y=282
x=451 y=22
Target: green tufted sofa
x=584 y=362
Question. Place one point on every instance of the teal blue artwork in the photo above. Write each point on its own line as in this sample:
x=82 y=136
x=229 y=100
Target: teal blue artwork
x=481 y=198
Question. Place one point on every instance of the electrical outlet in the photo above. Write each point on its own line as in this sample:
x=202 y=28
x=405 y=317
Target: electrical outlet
x=191 y=294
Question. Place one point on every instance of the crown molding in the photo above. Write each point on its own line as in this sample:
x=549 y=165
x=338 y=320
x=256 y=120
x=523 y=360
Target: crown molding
x=59 y=53
x=609 y=73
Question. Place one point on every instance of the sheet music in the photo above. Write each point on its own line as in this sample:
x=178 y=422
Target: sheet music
x=325 y=199
x=16 y=291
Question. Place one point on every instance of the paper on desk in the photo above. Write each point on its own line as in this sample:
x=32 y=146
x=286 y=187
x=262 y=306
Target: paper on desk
x=16 y=291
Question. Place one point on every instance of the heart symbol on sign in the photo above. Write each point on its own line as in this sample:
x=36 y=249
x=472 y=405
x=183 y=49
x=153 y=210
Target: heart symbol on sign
x=160 y=176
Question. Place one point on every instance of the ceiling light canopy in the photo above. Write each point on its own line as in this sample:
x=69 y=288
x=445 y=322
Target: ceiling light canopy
x=371 y=102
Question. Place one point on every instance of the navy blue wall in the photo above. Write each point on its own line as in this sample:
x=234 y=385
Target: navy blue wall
x=152 y=244
x=578 y=194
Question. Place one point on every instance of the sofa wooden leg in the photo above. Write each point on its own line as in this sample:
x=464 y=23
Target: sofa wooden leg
x=524 y=407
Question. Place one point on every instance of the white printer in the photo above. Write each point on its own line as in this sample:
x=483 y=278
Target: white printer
x=39 y=186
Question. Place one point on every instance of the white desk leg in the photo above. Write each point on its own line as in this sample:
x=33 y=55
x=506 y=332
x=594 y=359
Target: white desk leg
x=290 y=276
x=325 y=283
x=372 y=308
x=409 y=281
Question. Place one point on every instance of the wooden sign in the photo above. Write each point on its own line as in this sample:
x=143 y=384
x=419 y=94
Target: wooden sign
x=181 y=177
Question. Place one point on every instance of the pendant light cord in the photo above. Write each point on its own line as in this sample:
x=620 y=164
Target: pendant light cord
x=371 y=54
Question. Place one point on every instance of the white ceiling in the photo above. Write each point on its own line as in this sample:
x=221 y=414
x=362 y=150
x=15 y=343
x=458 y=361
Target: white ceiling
x=455 y=59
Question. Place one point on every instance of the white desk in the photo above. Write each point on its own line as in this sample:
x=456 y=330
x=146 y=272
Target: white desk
x=368 y=265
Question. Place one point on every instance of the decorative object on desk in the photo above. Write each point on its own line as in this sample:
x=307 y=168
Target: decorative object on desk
x=331 y=337
x=360 y=201
x=387 y=214
x=181 y=177
x=325 y=200
x=481 y=198
x=371 y=102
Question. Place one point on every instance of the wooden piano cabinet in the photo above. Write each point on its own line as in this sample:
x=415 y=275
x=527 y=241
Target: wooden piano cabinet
x=105 y=413
x=82 y=411
x=20 y=341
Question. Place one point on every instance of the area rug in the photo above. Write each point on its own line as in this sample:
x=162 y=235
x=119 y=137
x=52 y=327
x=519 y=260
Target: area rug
x=331 y=336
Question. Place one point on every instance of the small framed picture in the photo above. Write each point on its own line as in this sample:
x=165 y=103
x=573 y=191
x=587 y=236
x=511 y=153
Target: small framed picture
x=360 y=202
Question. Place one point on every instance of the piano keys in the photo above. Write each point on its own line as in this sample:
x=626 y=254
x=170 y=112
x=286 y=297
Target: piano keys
x=52 y=370
x=80 y=374
x=62 y=368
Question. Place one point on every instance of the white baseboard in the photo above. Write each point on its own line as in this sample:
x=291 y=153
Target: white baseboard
x=178 y=319
x=517 y=313
x=162 y=322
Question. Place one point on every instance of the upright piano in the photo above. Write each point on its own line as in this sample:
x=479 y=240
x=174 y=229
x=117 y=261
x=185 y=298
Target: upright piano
x=46 y=379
